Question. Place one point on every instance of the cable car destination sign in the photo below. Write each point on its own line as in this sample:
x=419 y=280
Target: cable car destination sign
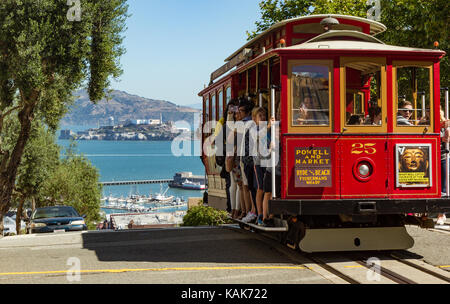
x=313 y=167
x=246 y=54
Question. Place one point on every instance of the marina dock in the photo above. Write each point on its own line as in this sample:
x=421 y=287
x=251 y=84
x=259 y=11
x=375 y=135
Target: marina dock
x=137 y=182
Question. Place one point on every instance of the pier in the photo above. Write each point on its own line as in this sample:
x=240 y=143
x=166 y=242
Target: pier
x=137 y=182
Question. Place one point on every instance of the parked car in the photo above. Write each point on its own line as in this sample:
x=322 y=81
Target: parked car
x=57 y=218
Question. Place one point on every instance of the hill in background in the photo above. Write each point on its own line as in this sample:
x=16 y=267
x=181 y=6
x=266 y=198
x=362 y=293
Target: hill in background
x=122 y=106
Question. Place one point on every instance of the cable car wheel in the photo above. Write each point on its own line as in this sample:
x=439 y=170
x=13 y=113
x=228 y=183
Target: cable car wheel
x=295 y=233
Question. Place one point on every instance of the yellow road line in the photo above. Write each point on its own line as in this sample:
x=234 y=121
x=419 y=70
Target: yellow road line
x=446 y=266
x=156 y=269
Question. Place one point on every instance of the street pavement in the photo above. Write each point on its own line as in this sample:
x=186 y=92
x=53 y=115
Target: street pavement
x=162 y=256
x=431 y=245
x=205 y=255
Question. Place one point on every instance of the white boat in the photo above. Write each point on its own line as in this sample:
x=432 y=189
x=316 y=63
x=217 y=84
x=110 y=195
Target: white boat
x=162 y=198
x=187 y=184
x=142 y=200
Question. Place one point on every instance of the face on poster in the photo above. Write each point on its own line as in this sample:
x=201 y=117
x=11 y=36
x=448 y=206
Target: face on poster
x=413 y=165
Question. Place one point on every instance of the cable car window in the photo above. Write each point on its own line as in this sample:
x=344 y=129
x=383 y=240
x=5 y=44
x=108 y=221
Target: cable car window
x=220 y=105
x=228 y=95
x=252 y=81
x=206 y=110
x=363 y=94
x=213 y=108
x=311 y=99
x=413 y=96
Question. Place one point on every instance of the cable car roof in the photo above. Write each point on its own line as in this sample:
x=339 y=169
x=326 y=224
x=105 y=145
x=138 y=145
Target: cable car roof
x=375 y=27
x=349 y=34
x=357 y=45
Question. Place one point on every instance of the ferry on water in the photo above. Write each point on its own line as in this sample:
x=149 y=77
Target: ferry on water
x=192 y=185
x=188 y=181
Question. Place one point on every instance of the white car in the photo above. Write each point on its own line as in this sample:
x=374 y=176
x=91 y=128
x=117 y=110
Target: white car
x=9 y=226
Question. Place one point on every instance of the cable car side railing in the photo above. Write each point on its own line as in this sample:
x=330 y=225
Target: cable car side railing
x=447 y=146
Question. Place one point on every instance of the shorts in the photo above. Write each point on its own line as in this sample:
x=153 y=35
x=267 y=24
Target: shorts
x=247 y=175
x=268 y=183
x=243 y=175
x=259 y=177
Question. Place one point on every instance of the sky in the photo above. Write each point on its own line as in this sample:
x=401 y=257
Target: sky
x=173 y=46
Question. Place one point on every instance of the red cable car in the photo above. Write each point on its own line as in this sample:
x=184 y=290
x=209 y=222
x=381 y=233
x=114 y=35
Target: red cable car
x=359 y=130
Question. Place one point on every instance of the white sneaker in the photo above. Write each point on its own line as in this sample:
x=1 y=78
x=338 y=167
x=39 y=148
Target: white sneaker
x=246 y=218
x=251 y=217
x=441 y=220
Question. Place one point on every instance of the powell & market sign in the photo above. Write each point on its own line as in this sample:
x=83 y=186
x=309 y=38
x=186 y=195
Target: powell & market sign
x=313 y=167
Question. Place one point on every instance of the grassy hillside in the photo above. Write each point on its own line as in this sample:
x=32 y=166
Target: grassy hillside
x=123 y=106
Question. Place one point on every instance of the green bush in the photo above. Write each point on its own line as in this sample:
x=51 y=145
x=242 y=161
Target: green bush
x=205 y=216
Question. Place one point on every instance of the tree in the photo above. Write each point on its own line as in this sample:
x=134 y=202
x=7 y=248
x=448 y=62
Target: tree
x=74 y=182
x=418 y=23
x=39 y=160
x=44 y=57
x=356 y=8
x=273 y=11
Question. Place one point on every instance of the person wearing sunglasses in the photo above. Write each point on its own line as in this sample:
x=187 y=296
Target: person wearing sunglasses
x=405 y=111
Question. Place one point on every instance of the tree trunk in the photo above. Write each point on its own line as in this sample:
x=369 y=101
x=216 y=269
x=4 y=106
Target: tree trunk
x=33 y=204
x=8 y=175
x=1 y=225
x=33 y=207
x=19 y=215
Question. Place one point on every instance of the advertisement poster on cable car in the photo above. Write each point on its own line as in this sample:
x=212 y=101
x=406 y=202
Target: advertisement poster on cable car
x=313 y=167
x=413 y=165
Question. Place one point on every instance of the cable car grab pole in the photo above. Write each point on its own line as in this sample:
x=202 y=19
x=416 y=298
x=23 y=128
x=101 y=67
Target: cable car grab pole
x=447 y=146
x=424 y=114
x=273 y=134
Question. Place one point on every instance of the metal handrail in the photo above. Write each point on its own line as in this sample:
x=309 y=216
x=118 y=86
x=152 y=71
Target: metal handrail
x=447 y=165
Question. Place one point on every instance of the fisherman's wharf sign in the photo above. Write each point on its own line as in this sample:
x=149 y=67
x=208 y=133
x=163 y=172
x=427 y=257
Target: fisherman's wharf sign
x=313 y=167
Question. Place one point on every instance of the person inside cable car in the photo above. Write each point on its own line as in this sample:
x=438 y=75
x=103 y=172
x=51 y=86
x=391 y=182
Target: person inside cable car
x=405 y=110
x=311 y=112
x=425 y=120
x=354 y=120
x=374 y=117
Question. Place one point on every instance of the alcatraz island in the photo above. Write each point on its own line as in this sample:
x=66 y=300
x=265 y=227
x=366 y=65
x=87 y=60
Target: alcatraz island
x=133 y=130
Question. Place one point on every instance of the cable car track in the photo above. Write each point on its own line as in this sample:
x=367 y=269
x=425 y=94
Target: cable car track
x=441 y=230
x=394 y=268
x=421 y=268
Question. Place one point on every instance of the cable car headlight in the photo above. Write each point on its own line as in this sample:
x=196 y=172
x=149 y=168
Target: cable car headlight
x=364 y=170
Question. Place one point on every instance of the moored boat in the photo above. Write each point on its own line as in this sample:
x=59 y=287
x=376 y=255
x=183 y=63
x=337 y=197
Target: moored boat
x=187 y=184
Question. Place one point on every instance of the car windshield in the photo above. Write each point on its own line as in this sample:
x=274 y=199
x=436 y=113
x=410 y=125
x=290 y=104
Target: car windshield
x=55 y=212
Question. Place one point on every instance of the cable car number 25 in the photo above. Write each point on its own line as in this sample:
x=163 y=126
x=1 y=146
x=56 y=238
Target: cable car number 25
x=364 y=148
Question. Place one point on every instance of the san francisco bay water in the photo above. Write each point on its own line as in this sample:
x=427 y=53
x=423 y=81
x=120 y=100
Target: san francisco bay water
x=138 y=160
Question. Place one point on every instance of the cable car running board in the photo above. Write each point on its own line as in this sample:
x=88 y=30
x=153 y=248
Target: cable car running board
x=262 y=228
x=356 y=239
